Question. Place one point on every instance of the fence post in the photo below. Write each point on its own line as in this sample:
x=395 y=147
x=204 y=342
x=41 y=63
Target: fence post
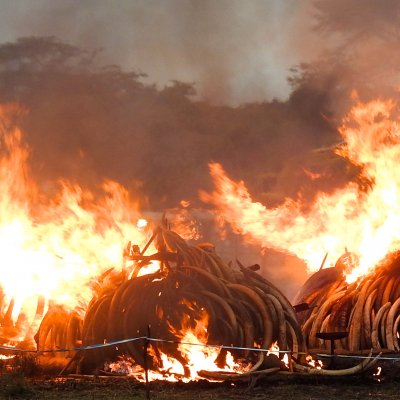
x=145 y=357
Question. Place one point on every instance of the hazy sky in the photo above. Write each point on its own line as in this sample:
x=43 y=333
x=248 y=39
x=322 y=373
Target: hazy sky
x=234 y=50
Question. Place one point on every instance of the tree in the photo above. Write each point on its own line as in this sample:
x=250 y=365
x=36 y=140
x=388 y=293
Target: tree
x=88 y=122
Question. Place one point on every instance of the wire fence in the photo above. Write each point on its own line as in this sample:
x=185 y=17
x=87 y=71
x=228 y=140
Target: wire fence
x=148 y=339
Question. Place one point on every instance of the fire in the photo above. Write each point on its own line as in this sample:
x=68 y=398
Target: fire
x=314 y=363
x=54 y=247
x=199 y=356
x=183 y=221
x=142 y=223
x=4 y=357
x=275 y=350
x=361 y=218
x=194 y=350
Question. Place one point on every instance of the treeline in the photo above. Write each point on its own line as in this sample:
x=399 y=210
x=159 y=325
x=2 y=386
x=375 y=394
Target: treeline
x=87 y=122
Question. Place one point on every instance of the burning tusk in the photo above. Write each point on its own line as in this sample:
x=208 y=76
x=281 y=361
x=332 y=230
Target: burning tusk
x=321 y=316
x=367 y=316
x=282 y=342
x=257 y=300
x=355 y=323
x=366 y=364
x=375 y=325
x=388 y=291
x=390 y=323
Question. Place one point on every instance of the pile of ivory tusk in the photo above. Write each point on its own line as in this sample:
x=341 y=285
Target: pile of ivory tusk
x=369 y=310
x=242 y=309
x=193 y=284
x=59 y=329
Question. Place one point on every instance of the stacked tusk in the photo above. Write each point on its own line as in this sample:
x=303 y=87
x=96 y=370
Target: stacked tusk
x=368 y=310
x=243 y=309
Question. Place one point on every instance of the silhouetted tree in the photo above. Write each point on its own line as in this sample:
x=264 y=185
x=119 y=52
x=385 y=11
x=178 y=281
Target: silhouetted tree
x=88 y=122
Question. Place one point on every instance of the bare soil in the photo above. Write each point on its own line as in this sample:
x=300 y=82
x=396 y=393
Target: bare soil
x=272 y=388
x=26 y=378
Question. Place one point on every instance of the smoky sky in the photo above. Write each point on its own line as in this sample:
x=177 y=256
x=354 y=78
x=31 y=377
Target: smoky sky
x=234 y=51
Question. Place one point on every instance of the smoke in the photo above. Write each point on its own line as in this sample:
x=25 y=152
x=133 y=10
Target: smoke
x=359 y=51
x=235 y=51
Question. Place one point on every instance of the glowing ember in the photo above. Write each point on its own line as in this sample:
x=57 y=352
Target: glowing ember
x=363 y=219
x=378 y=374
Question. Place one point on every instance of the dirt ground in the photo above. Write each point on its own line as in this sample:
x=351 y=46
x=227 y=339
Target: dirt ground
x=272 y=388
x=29 y=379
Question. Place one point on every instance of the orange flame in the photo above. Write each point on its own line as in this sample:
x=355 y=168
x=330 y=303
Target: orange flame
x=194 y=350
x=53 y=247
x=314 y=363
x=364 y=220
x=275 y=350
x=184 y=222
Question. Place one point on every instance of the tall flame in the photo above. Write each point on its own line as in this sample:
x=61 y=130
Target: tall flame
x=52 y=247
x=365 y=220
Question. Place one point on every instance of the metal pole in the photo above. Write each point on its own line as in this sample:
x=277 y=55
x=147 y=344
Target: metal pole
x=332 y=363
x=145 y=357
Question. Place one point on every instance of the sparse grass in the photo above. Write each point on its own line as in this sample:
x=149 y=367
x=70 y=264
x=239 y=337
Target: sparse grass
x=27 y=380
x=119 y=389
x=14 y=385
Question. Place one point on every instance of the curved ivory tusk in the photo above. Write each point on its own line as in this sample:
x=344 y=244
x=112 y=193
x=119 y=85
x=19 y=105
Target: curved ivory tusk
x=259 y=303
x=321 y=316
x=367 y=317
x=354 y=339
x=366 y=364
x=389 y=324
x=375 y=325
